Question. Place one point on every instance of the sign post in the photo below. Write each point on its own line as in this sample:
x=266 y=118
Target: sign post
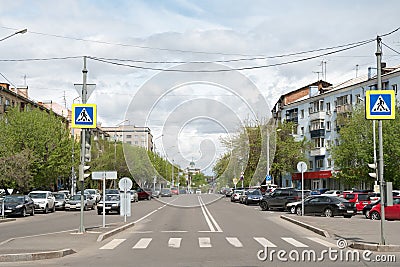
x=111 y=175
x=125 y=184
x=235 y=181
x=302 y=167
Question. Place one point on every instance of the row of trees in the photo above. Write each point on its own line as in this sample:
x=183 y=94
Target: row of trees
x=36 y=152
x=351 y=154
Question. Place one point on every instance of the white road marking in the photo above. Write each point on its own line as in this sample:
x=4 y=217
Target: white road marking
x=294 y=242
x=204 y=242
x=113 y=244
x=209 y=218
x=142 y=243
x=142 y=232
x=174 y=231
x=174 y=242
x=264 y=242
x=234 y=241
x=322 y=242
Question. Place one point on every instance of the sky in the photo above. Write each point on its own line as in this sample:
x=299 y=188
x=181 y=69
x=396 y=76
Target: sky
x=192 y=71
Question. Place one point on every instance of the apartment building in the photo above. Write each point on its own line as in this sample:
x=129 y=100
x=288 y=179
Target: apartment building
x=318 y=110
x=131 y=134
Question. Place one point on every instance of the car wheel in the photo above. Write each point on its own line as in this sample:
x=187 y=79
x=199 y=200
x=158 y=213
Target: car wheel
x=98 y=212
x=246 y=202
x=93 y=207
x=293 y=209
x=298 y=211
x=264 y=206
x=85 y=207
x=33 y=212
x=366 y=214
x=375 y=215
x=328 y=212
x=149 y=198
x=46 y=210
x=23 y=212
x=54 y=208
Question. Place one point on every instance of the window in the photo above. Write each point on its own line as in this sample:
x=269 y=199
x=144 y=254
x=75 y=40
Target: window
x=316 y=106
x=129 y=136
x=328 y=125
x=358 y=99
x=301 y=130
x=129 y=142
x=310 y=165
x=302 y=113
x=319 y=142
x=136 y=142
x=394 y=88
x=329 y=163
x=1 y=100
x=328 y=143
x=343 y=100
x=317 y=125
x=319 y=163
x=328 y=106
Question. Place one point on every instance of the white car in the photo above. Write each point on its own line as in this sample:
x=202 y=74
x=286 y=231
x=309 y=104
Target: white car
x=44 y=201
x=95 y=193
x=332 y=193
x=198 y=191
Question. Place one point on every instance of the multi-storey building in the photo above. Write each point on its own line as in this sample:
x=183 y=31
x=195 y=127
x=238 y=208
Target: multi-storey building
x=318 y=110
x=131 y=134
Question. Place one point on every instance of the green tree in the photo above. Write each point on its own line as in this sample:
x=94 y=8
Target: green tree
x=355 y=149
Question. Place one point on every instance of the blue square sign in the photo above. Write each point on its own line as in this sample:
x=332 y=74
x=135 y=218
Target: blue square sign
x=380 y=104
x=84 y=116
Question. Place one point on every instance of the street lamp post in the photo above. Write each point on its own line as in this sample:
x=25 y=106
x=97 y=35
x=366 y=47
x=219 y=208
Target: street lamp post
x=73 y=177
x=15 y=33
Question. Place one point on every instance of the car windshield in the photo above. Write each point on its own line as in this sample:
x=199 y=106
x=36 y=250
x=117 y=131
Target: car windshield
x=363 y=197
x=9 y=199
x=165 y=190
x=255 y=192
x=37 y=195
x=112 y=197
x=59 y=195
x=92 y=192
x=76 y=197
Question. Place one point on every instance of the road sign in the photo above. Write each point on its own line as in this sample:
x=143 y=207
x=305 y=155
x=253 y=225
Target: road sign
x=301 y=166
x=84 y=116
x=235 y=180
x=380 y=104
x=125 y=184
x=111 y=175
x=268 y=179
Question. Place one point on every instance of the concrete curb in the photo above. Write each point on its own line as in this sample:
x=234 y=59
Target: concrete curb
x=114 y=231
x=36 y=255
x=6 y=220
x=375 y=247
x=307 y=226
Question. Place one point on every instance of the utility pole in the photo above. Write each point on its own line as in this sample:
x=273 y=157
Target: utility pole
x=380 y=137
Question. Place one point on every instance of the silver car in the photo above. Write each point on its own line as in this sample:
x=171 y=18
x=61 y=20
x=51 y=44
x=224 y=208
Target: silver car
x=74 y=203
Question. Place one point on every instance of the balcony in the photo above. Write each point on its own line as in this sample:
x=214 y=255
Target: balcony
x=320 y=115
x=317 y=133
x=320 y=151
x=344 y=108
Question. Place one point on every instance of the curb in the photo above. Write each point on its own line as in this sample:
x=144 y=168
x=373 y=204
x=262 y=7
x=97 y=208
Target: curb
x=6 y=220
x=114 y=231
x=375 y=247
x=36 y=255
x=307 y=226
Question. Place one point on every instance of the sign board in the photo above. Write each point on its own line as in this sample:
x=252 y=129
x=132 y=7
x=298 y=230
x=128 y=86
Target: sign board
x=380 y=105
x=235 y=180
x=125 y=200
x=268 y=179
x=125 y=184
x=108 y=175
x=84 y=116
x=301 y=166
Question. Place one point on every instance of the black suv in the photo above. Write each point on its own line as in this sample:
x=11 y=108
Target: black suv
x=279 y=198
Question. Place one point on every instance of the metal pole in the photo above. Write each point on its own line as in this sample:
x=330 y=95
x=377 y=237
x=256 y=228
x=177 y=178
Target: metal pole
x=268 y=156
x=104 y=200
x=83 y=139
x=380 y=137
x=302 y=191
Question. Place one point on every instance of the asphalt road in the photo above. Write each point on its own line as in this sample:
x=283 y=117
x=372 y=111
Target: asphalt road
x=195 y=230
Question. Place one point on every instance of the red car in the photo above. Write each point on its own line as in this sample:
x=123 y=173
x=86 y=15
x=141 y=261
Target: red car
x=360 y=199
x=391 y=212
x=144 y=193
x=174 y=191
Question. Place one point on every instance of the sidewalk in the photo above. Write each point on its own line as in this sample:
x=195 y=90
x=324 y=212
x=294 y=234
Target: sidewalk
x=55 y=245
x=359 y=232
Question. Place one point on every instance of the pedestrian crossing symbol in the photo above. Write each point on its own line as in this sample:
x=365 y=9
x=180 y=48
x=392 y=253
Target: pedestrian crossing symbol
x=84 y=116
x=380 y=104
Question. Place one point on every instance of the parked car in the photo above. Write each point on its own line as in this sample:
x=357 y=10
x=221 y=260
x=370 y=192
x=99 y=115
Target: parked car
x=319 y=191
x=155 y=193
x=144 y=193
x=182 y=191
x=291 y=207
x=112 y=191
x=279 y=198
x=359 y=198
x=367 y=208
x=236 y=195
x=95 y=193
x=74 y=203
x=134 y=196
x=112 y=204
x=198 y=191
x=174 y=191
x=391 y=212
x=229 y=192
x=252 y=196
x=166 y=192
x=44 y=201
x=61 y=199
x=332 y=193
x=328 y=206
x=66 y=192
x=18 y=205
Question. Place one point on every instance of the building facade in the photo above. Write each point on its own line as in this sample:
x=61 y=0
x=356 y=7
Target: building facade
x=318 y=110
x=131 y=134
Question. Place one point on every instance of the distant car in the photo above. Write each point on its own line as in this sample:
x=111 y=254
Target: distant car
x=279 y=198
x=112 y=191
x=18 y=205
x=319 y=191
x=174 y=191
x=61 y=199
x=134 y=196
x=327 y=206
x=112 y=204
x=66 y=192
x=229 y=192
x=236 y=195
x=367 y=208
x=74 y=203
x=155 y=193
x=198 y=191
x=44 y=201
x=144 y=193
x=391 y=212
x=252 y=196
x=182 y=191
x=332 y=193
x=95 y=193
x=166 y=192
x=291 y=207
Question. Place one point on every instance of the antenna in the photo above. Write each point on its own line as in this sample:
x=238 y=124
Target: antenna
x=318 y=72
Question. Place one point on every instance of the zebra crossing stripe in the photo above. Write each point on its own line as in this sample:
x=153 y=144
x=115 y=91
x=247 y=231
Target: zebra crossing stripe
x=174 y=242
x=264 y=242
x=204 y=242
x=294 y=242
x=113 y=244
x=142 y=243
x=234 y=241
x=322 y=242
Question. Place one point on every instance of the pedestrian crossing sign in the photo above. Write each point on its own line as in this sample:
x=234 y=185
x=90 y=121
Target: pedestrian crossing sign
x=380 y=105
x=84 y=116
